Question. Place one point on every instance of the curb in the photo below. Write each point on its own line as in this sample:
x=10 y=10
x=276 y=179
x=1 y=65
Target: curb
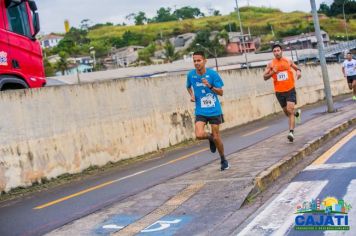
x=264 y=179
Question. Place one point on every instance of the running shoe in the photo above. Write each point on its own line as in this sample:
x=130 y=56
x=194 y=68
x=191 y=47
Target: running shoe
x=290 y=137
x=212 y=144
x=298 y=116
x=224 y=165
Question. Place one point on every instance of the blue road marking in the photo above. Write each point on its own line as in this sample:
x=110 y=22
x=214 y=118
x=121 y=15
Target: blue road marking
x=166 y=226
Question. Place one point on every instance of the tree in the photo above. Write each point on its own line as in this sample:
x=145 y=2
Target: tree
x=62 y=64
x=336 y=8
x=164 y=15
x=49 y=69
x=216 y=13
x=169 y=51
x=324 y=9
x=187 y=13
x=203 y=43
x=140 y=18
x=73 y=42
x=146 y=53
x=85 y=24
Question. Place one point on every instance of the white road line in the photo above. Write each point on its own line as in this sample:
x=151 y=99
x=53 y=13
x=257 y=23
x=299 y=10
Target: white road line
x=333 y=166
x=278 y=217
x=350 y=198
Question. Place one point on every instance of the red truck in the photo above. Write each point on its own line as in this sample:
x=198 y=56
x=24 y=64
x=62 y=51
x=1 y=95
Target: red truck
x=21 y=64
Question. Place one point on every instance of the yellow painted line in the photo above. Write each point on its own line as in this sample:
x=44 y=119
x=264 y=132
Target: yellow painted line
x=323 y=158
x=114 y=181
x=255 y=131
x=165 y=209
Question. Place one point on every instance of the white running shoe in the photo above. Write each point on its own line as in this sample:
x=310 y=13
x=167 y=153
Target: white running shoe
x=290 y=137
x=298 y=116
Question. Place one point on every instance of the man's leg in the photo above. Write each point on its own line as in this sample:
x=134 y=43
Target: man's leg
x=291 y=120
x=217 y=139
x=285 y=111
x=354 y=86
x=350 y=86
x=199 y=130
x=291 y=117
x=220 y=146
x=201 y=134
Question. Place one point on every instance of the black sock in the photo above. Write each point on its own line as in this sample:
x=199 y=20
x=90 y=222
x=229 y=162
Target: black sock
x=210 y=137
x=292 y=131
x=223 y=158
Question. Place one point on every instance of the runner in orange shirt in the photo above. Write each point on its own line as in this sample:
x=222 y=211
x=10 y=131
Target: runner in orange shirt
x=280 y=69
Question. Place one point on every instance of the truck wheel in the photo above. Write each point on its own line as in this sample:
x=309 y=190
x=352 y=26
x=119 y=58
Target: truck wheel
x=11 y=82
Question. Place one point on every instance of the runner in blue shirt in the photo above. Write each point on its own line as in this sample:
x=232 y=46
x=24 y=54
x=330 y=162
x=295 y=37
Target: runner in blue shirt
x=204 y=85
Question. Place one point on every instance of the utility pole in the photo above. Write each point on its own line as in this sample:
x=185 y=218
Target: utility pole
x=243 y=38
x=324 y=70
x=343 y=12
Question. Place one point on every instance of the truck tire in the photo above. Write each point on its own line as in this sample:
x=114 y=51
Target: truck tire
x=8 y=82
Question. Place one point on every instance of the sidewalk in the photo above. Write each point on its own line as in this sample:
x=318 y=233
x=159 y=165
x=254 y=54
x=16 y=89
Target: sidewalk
x=198 y=202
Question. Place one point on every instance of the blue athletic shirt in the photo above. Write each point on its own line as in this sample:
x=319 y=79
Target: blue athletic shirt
x=206 y=101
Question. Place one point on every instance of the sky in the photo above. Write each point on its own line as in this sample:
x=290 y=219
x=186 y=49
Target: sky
x=54 y=12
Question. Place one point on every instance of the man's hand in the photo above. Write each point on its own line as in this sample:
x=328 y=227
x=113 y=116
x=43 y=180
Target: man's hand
x=192 y=99
x=274 y=70
x=299 y=74
x=206 y=83
x=269 y=71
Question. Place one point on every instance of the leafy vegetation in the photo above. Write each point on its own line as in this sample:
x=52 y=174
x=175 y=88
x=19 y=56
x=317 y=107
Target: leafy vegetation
x=267 y=23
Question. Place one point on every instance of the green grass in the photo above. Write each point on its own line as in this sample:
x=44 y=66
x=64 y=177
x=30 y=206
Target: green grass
x=256 y=18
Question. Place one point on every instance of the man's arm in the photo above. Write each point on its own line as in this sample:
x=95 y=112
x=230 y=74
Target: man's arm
x=218 y=91
x=296 y=68
x=218 y=84
x=343 y=70
x=190 y=91
x=268 y=72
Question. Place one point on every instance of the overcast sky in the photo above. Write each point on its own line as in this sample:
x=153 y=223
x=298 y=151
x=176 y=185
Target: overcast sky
x=54 y=12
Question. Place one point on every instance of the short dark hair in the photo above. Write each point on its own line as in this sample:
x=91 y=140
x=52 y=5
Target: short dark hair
x=349 y=53
x=277 y=45
x=199 y=53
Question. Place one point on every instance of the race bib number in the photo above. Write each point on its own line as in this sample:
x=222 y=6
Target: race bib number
x=207 y=101
x=282 y=76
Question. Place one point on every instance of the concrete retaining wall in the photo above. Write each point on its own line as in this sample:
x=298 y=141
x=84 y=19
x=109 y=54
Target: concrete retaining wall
x=51 y=131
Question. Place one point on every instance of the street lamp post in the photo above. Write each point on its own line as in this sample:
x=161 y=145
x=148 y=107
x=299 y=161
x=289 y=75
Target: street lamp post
x=243 y=39
x=324 y=70
x=343 y=12
x=213 y=54
x=92 y=51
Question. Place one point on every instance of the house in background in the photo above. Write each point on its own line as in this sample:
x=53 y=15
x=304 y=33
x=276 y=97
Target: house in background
x=304 y=41
x=50 y=40
x=78 y=65
x=122 y=57
x=183 y=41
x=235 y=44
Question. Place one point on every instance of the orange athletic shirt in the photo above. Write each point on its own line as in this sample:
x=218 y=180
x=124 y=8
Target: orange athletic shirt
x=283 y=80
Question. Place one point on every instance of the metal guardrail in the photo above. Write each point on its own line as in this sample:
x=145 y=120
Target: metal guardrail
x=339 y=48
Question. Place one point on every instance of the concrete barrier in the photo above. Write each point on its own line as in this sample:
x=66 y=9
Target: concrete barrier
x=51 y=131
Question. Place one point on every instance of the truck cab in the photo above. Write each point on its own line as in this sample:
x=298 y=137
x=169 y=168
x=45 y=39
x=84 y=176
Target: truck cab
x=21 y=64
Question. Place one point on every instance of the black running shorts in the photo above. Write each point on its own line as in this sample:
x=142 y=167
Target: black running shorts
x=350 y=78
x=213 y=120
x=284 y=97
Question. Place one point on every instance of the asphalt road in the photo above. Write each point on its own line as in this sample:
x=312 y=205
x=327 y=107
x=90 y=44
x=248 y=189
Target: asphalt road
x=331 y=178
x=45 y=211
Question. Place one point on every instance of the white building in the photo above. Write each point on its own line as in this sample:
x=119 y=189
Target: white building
x=50 y=40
